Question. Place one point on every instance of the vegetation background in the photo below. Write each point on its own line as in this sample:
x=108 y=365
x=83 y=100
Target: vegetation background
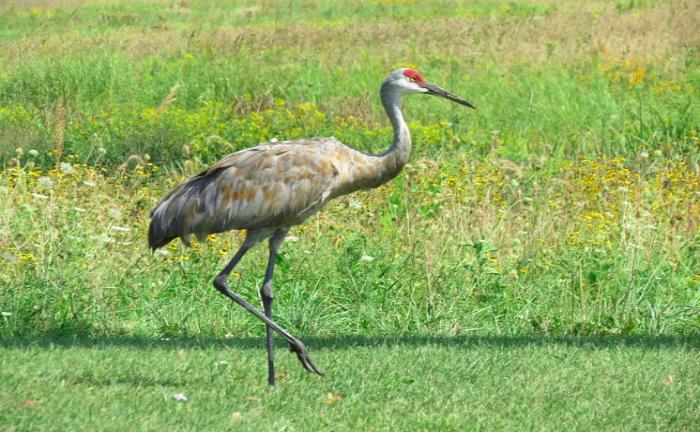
x=535 y=266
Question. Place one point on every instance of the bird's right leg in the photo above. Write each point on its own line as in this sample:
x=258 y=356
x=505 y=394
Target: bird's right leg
x=295 y=344
x=267 y=296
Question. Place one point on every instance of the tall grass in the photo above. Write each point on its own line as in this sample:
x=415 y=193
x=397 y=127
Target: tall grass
x=449 y=247
x=566 y=204
x=561 y=81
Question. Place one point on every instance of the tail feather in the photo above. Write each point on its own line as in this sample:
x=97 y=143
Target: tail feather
x=156 y=239
x=167 y=221
x=176 y=213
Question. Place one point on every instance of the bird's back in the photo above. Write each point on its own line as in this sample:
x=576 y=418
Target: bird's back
x=272 y=185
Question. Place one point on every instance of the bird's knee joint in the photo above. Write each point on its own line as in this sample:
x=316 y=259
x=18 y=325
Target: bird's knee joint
x=266 y=290
x=220 y=282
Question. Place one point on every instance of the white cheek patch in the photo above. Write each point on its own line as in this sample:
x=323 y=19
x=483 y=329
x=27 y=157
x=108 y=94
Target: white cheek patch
x=410 y=87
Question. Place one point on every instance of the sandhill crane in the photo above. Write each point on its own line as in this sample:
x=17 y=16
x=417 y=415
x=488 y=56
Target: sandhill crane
x=270 y=188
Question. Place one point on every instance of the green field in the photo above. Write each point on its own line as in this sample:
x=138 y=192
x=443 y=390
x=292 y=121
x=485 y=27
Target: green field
x=535 y=266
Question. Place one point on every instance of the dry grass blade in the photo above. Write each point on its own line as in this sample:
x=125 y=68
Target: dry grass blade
x=59 y=122
x=168 y=99
x=137 y=160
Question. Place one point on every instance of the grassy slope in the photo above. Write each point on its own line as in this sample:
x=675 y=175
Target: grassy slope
x=556 y=80
x=412 y=383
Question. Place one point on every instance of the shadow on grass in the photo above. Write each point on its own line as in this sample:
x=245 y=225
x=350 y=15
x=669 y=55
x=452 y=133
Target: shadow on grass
x=349 y=342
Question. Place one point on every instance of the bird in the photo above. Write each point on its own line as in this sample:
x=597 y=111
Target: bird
x=270 y=188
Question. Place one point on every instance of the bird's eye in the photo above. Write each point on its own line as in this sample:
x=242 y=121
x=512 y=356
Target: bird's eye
x=412 y=79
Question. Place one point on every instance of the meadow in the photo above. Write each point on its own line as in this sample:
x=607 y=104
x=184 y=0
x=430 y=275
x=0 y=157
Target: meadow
x=535 y=266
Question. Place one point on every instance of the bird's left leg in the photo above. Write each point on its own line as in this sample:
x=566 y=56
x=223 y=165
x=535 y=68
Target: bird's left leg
x=220 y=283
x=267 y=296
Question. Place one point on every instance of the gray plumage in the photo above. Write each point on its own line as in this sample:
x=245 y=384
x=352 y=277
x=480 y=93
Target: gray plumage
x=270 y=188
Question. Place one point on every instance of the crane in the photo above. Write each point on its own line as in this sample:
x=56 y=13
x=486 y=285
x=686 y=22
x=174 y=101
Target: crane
x=267 y=189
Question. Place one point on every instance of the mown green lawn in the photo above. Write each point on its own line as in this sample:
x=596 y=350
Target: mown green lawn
x=410 y=383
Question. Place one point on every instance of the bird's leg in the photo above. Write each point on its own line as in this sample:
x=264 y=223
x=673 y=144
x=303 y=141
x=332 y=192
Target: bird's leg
x=267 y=295
x=294 y=343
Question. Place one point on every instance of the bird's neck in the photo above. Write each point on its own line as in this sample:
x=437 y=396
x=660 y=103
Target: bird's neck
x=370 y=171
x=393 y=160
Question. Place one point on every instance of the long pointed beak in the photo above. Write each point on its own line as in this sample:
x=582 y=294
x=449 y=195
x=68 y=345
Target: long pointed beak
x=437 y=91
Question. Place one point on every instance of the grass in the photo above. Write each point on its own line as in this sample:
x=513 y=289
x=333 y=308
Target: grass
x=568 y=80
x=538 y=256
x=480 y=383
x=517 y=257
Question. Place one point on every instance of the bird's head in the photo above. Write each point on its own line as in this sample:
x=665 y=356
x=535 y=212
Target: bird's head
x=407 y=81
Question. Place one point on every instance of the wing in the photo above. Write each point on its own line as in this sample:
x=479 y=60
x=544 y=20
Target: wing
x=275 y=185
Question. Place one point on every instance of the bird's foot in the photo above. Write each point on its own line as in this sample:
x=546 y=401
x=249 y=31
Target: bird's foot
x=300 y=350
